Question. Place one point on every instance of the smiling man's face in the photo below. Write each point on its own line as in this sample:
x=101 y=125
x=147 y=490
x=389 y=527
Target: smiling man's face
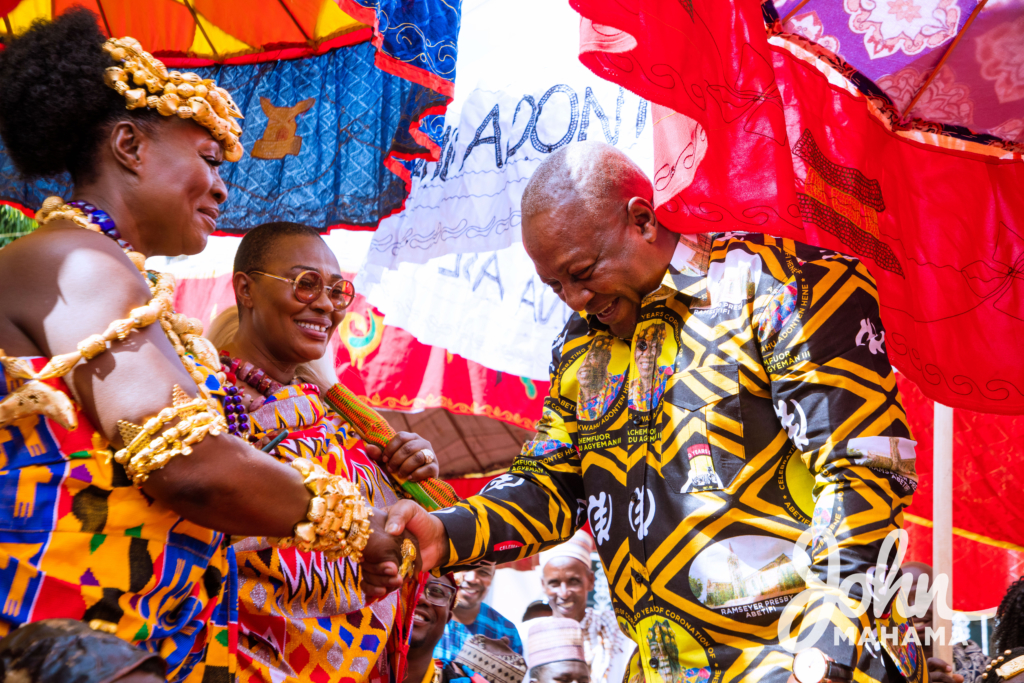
x=566 y=582
x=473 y=585
x=429 y=619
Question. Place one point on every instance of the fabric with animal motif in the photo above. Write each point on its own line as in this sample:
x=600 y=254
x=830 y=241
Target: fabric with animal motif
x=77 y=540
x=753 y=408
x=302 y=618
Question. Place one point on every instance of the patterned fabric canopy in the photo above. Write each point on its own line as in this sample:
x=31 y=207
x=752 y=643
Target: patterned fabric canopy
x=335 y=111
x=757 y=128
x=958 y=62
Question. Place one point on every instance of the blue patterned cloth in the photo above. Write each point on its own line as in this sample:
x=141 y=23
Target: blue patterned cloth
x=349 y=118
x=488 y=623
x=419 y=34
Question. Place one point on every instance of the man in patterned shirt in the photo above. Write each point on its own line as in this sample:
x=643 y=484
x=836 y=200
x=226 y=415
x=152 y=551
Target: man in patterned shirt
x=752 y=400
x=473 y=616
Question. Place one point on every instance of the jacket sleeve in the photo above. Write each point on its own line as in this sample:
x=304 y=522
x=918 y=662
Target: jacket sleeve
x=834 y=393
x=539 y=502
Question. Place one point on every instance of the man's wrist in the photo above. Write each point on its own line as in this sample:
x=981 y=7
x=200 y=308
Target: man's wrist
x=814 y=666
x=444 y=551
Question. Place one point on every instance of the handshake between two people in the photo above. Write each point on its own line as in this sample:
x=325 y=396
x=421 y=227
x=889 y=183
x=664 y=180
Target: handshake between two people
x=382 y=557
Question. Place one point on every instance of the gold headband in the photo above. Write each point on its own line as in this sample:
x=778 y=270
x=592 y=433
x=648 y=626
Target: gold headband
x=185 y=95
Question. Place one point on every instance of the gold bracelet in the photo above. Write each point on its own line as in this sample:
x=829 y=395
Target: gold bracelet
x=144 y=452
x=338 y=518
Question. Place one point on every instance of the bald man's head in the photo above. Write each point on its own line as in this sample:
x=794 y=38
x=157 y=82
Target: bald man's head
x=593 y=175
x=589 y=226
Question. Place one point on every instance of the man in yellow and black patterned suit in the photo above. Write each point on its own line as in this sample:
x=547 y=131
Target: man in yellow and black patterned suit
x=744 y=397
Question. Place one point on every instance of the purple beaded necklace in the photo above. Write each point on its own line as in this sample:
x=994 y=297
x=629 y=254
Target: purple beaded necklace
x=104 y=221
x=239 y=370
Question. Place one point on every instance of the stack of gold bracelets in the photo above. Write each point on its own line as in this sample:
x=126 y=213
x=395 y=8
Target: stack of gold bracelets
x=339 y=519
x=145 y=452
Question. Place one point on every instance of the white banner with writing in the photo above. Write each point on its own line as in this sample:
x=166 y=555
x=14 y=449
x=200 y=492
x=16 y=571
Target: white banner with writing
x=451 y=269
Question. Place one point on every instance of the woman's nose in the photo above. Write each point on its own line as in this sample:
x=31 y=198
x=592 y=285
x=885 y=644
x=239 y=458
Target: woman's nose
x=219 y=189
x=323 y=303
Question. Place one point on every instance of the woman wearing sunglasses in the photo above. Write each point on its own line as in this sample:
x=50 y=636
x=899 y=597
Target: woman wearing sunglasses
x=301 y=617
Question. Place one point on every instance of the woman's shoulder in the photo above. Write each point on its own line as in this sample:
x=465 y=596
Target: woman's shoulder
x=63 y=269
x=61 y=251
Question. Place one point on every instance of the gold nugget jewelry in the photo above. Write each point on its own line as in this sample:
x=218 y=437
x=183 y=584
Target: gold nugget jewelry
x=186 y=95
x=338 y=518
x=144 y=452
x=408 y=559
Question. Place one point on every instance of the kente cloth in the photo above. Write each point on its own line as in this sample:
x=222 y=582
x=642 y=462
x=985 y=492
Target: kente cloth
x=779 y=413
x=489 y=622
x=301 y=617
x=757 y=128
x=79 y=541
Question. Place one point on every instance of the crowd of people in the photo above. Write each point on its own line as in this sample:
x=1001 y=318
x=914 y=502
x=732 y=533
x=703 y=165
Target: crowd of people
x=184 y=507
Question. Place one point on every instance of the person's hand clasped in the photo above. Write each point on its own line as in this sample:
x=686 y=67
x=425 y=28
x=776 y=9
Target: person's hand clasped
x=407 y=456
x=408 y=517
x=941 y=672
x=382 y=558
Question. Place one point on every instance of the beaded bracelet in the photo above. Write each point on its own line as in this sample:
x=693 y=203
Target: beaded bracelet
x=338 y=518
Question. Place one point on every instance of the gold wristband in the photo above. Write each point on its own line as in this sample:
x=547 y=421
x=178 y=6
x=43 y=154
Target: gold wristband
x=338 y=518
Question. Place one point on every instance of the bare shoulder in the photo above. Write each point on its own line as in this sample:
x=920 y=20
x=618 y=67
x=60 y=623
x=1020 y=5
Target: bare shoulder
x=60 y=283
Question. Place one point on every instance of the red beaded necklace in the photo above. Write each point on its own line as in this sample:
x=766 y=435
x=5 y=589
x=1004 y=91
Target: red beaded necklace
x=237 y=370
x=245 y=371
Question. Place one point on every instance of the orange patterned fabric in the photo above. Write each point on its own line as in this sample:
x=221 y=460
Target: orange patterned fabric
x=78 y=541
x=302 y=618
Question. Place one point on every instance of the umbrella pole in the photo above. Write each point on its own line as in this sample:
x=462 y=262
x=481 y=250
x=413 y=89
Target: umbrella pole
x=942 y=529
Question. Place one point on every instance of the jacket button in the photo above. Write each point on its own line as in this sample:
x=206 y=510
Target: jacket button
x=642 y=345
x=638 y=419
x=634 y=497
x=653 y=662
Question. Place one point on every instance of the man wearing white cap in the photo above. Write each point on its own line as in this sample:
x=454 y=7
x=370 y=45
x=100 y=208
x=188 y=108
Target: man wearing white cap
x=555 y=652
x=567 y=578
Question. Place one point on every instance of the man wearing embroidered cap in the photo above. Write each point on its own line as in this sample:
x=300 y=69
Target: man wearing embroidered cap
x=555 y=652
x=567 y=579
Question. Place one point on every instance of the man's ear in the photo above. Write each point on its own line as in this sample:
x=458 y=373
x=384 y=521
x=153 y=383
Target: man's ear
x=242 y=284
x=590 y=580
x=127 y=143
x=641 y=216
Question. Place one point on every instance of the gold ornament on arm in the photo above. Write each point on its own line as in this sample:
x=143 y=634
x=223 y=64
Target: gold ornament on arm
x=186 y=95
x=338 y=518
x=144 y=452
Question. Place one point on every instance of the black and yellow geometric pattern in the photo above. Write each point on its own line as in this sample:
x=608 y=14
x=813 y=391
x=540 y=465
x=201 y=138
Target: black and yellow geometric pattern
x=754 y=401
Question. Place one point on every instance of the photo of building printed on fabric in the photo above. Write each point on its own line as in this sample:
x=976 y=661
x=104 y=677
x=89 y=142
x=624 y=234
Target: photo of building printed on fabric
x=750 y=574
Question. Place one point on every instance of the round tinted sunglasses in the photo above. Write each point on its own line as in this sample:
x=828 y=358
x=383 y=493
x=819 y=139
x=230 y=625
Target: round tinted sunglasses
x=309 y=285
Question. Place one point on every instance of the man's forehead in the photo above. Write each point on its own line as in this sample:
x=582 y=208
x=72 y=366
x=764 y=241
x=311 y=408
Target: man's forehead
x=564 y=565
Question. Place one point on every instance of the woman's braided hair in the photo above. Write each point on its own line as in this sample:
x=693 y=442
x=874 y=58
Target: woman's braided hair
x=55 y=109
x=1009 y=633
